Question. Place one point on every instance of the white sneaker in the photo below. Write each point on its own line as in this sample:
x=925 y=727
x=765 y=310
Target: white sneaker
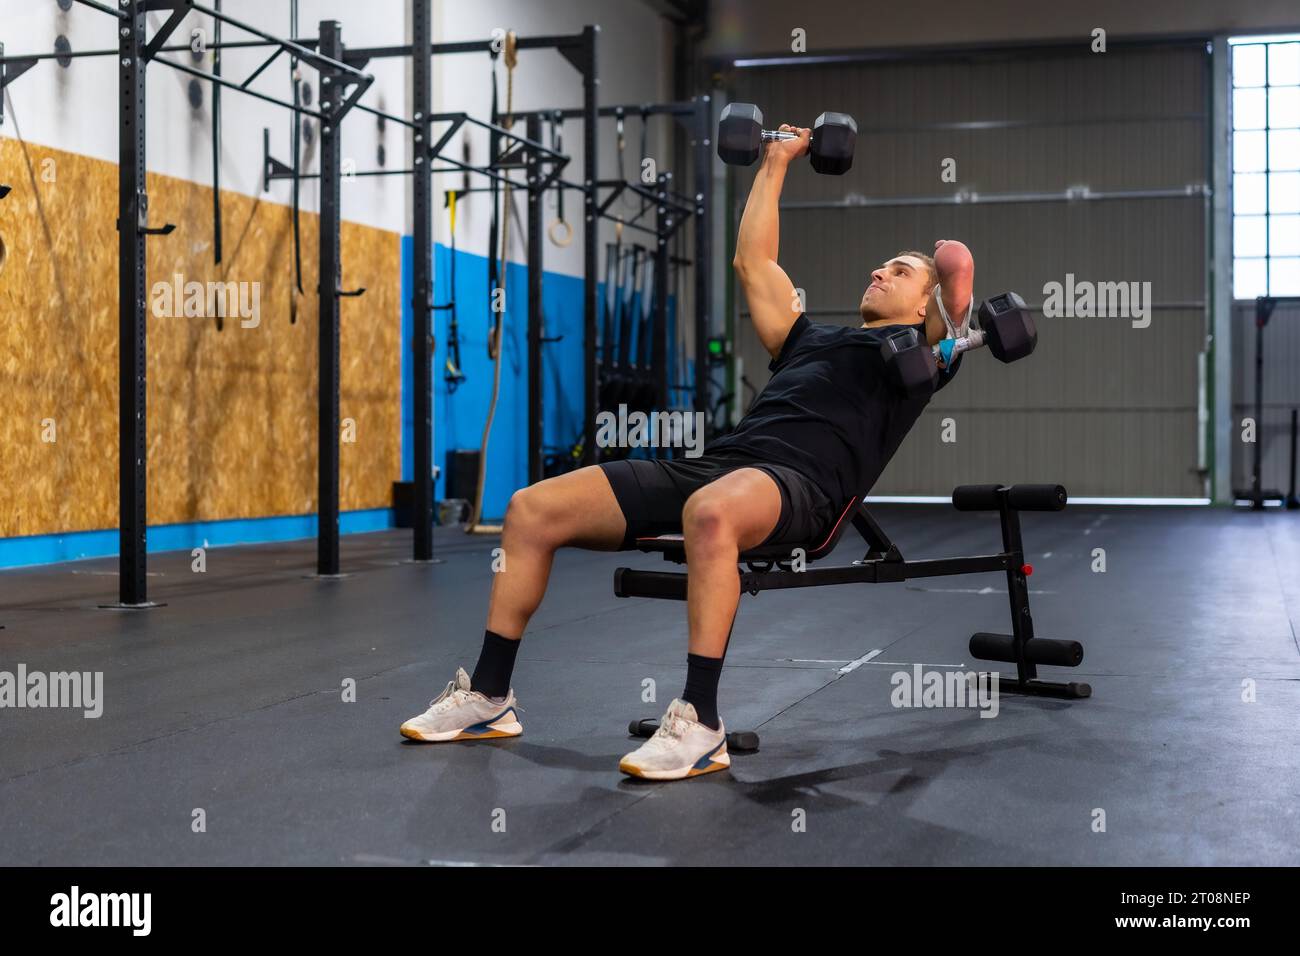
x=459 y=713
x=681 y=747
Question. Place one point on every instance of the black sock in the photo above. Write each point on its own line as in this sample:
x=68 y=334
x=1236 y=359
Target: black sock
x=701 y=691
x=496 y=662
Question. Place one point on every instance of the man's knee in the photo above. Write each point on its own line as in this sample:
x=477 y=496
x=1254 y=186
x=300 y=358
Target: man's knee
x=706 y=521
x=529 y=513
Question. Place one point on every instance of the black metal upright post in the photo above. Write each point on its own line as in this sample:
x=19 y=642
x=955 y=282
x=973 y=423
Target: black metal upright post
x=703 y=268
x=1022 y=623
x=659 y=346
x=590 y=237
x=533 y=131
x=422 y=280
x=216 y=139
x=1292 y=502
x=327 y=538
x=132 y=213
x=1262 y=311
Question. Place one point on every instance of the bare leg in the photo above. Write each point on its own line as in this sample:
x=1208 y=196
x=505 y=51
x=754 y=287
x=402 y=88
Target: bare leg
x=725 y=517
x=579 y=510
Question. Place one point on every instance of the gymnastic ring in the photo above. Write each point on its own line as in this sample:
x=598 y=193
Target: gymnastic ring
x=552 y=231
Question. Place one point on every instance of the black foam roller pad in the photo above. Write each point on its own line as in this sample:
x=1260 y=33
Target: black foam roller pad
x=976 y=497
x=1038 y=650
x=1037 y=497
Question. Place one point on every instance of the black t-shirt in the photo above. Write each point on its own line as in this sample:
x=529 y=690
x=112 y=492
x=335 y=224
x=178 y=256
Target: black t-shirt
x=828 y=411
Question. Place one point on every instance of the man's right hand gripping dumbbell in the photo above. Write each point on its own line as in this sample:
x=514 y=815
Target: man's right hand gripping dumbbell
x=741 y=137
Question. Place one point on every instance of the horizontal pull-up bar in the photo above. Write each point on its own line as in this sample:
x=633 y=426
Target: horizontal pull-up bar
x=388 y=116
x=305 y=48
x=458 y=120
x=673 y=201
x=302 y=51
x=643 y=109
x=219 y=81
x=461 y=118
x=170 y=48
x=602 y=210
x=459 y=167
x=361 y=172
x=647 y=192
x=395 y=172
x=564 y=41
x=103 y=8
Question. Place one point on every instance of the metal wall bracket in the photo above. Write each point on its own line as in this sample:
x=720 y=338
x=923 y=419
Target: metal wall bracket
x=180 y=9
x=10 y=70
x=142 y=226
x=272 y=168
x=142 y=220
x=578 y=54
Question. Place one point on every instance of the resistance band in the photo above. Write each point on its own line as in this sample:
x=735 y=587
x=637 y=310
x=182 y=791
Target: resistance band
x=648 y=301
x=451 y=371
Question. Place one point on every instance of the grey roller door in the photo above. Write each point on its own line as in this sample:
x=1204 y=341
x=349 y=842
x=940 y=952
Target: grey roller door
x=1108 y=408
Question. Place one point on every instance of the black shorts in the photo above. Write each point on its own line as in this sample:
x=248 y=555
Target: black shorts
x=652 y=492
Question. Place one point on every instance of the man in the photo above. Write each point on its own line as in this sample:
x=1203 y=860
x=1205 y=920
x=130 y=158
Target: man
x=819 y=434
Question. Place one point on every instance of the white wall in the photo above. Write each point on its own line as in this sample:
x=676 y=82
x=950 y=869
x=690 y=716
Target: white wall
x=764 y=26
x=75 y=109
x=633 y=66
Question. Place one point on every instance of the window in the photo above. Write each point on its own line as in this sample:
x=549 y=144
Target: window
x=1265 y=166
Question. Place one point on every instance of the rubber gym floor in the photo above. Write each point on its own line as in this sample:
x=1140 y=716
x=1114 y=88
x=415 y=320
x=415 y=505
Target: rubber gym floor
x=229 y=699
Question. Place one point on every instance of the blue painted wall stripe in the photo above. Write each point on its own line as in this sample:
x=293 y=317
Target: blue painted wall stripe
x=458 y=414
x=48 y=548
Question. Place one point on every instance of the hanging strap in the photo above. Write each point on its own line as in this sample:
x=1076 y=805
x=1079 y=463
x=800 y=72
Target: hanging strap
x=494 y=342
x=451 y=367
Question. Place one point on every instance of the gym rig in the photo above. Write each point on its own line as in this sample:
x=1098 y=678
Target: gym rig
x=342 y=82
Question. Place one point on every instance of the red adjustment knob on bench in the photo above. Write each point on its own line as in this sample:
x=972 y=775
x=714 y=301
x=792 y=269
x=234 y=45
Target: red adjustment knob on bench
x=1026 y=569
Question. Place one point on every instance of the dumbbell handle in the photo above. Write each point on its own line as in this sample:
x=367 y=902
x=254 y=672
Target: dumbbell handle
x=949 y=349
x=769 y=135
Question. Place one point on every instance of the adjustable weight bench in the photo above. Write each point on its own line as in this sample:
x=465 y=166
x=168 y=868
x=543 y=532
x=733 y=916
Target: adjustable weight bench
x=783 y=566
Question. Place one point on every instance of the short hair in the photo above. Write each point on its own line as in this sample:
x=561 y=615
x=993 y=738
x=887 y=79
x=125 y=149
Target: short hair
x=929 y=265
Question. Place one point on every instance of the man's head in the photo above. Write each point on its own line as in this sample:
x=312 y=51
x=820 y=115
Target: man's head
x=899 y=290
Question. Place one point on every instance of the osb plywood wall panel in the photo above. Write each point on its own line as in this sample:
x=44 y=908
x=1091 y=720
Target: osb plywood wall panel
x=231 y=410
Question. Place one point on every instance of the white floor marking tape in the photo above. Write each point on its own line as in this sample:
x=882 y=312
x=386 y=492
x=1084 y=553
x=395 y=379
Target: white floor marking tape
x=984 y=590
x=914 y=663
x=854 y=665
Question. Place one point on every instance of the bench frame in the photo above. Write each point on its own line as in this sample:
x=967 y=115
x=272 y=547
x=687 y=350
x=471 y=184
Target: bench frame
x=770 y=569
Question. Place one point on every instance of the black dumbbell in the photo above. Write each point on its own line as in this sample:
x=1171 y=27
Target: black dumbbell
x=741 y=135
x=909 y=363
x=1005 y=326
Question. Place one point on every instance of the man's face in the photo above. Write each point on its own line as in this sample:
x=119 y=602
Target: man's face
x=898 y=292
